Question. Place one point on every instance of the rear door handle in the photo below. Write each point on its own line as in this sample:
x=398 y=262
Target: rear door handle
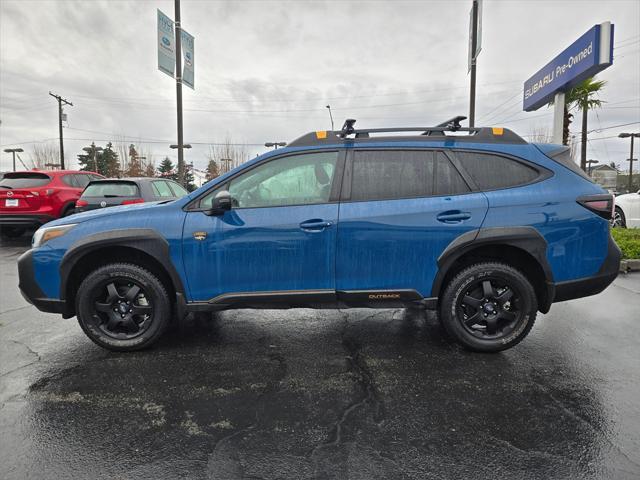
x=453 y=216
x=315 y=225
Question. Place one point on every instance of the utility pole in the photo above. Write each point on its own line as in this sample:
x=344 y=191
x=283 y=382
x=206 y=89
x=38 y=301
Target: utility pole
x=472 y=54
x=60 y=102
x=630 y=159
x=179 y=92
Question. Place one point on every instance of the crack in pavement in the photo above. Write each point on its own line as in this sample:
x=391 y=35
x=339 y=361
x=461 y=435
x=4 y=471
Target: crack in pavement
x=30 y=350
x=368 y=394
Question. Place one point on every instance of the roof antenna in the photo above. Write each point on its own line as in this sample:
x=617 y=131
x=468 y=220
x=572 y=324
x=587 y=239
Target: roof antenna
x=347 y=128
x=331 y=117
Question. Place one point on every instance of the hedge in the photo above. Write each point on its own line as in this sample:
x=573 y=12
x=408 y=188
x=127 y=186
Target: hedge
x=628 y=239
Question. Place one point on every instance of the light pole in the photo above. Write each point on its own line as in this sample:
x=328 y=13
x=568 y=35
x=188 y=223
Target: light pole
x=95 y=151
x=275 y=145
x=589 y=163
x=14 y=151
x=180 y=147
x=630 y=159
x=330 y=116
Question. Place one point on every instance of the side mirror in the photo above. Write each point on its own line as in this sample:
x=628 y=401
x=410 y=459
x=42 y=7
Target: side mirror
x=220 y=204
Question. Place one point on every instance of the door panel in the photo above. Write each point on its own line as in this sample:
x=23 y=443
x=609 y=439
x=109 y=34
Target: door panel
x=260 y=249
x=279 y=236
x=395 y=244
x=400 y=210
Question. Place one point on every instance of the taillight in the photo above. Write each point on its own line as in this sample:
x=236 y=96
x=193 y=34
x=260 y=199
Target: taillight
x=599 y=204
x=133 y=200
x=81 y=203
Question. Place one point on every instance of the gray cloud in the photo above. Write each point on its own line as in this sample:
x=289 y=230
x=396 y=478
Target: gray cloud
x=265 y=70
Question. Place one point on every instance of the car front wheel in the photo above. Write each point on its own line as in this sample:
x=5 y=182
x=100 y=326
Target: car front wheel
x=123 y=307
x=488 y=307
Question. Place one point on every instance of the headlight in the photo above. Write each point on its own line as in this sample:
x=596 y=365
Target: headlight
x=44 y=234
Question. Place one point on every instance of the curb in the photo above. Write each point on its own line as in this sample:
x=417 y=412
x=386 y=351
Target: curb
x=630 y=265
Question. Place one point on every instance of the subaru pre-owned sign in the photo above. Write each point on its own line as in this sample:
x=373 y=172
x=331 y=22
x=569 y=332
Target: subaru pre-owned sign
x=588 y=55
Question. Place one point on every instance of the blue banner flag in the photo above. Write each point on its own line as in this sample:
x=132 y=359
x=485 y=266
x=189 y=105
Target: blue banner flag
x=187 y=59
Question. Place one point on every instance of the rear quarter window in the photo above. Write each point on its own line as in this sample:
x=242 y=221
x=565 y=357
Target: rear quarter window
x=24 y=180
x=492 y=172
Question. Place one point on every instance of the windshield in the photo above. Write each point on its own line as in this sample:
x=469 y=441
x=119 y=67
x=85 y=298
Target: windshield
x=24 y=180
x=111 y=189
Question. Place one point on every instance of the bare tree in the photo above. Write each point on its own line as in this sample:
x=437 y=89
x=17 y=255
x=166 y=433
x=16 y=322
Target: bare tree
x=44 y=155
x=227 y=155
x=541 y=135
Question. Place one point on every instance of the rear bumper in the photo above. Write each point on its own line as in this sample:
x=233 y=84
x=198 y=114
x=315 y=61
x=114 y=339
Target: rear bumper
x=585 y=287
x=31 y=291
x=24 y=220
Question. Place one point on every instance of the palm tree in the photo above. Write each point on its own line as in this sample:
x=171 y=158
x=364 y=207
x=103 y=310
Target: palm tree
x=583 y=96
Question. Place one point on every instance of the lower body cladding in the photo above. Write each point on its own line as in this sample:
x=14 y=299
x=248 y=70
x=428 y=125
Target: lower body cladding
x=24 y=220
x=325 y=298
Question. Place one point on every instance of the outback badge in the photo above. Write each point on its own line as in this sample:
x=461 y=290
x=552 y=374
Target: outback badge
x=200 y=235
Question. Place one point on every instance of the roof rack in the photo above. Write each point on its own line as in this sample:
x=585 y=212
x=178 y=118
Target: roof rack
x=476 y=134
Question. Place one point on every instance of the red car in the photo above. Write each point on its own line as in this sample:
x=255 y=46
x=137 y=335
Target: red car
x=32 y=198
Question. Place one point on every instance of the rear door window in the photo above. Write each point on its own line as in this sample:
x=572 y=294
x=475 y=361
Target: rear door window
x=492 y=172
x=162 y=189
x=111 y=189
x=70 y=181
x=178 y=190
x=13 y=180
x=384 y=174
x=447 y=179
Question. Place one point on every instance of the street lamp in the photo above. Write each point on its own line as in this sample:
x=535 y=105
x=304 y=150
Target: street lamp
x=275 y=145
x=630 y=159
x=589 y=163
x=95 y=151
x=186 y=145
x=14 y=151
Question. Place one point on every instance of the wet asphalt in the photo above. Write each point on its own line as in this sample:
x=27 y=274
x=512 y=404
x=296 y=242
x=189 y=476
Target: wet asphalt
x=304 y=394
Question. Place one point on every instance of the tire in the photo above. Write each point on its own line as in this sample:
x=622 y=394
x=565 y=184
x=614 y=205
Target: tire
x=105 y=316
x=12 y=232
x=488 y=307
x=618 y=220
x=68 y=210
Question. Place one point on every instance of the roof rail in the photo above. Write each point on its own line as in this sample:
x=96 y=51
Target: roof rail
x=476 y=134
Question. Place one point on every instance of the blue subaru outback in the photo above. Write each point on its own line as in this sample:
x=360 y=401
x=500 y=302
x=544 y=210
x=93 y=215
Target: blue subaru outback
x=474 y=222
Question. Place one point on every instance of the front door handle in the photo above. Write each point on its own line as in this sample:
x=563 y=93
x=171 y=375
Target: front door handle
x=315 y=225
x=453 y=216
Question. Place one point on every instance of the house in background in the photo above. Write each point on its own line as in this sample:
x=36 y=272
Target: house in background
x=605 y=175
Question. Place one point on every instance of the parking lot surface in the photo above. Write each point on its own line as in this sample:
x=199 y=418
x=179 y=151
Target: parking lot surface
x=302 y=394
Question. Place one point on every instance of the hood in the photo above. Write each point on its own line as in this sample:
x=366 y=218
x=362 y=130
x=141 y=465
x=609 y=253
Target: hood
x=106 y=212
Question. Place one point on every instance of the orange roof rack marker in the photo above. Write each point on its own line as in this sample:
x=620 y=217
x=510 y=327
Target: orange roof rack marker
x=321 y=134
x=498 y=130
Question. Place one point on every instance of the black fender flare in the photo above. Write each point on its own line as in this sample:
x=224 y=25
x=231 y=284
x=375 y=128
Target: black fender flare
x=526 y=238
x=146 y=240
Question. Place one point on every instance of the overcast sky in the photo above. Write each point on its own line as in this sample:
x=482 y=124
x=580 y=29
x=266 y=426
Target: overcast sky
x=264 y=71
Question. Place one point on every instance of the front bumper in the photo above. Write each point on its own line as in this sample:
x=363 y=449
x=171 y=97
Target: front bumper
x=31 y=291
x=24 y=220
x=595 y=284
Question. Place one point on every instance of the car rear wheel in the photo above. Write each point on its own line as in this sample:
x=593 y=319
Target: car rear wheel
x=488 y=307
x=618 y=219
x=123 y=307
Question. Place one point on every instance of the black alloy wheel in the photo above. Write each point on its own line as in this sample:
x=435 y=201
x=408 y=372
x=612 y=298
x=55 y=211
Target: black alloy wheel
x=618 y=220
x=122 y=309
x=488 y=307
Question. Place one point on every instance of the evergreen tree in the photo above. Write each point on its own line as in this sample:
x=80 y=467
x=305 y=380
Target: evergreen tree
x=212 y=170
x=110 y=162
x=135 y=168
x=102 y=161
x=189 y=179
x=167 y=169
